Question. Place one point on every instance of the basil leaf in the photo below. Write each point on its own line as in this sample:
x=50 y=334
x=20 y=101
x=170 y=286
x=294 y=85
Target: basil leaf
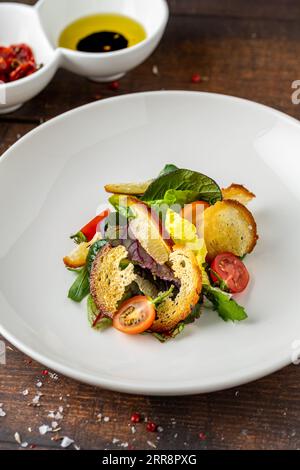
x=206 y=188
x=227 y=308
x=168 y=168
x=93 y=313
x=93 y=251
x=80 y=287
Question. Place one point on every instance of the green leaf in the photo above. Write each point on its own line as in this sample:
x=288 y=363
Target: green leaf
x=93 y=251
x=168 y=168
x=194 y=315
x=178 y=197
x=203 y=187
x=227 y=308
x=119 y=202
x=80 y=287
x=78 y=238
x=93 y=313
x=220 y=282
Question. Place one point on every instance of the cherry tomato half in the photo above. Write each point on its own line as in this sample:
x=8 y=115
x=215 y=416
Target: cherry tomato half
x=231 y=270
x=194 y=212
x=135 y=315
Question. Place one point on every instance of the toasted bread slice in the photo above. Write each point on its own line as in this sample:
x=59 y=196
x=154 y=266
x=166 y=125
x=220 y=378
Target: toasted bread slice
x=108 y=281
x=229 y=227
x=238 y=192
x=170 y=312
x=127 y=188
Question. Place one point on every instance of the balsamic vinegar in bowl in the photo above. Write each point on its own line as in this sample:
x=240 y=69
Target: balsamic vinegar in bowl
x=102 y=33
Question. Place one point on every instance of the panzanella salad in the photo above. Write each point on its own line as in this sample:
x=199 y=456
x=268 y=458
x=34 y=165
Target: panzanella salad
x=161 y=251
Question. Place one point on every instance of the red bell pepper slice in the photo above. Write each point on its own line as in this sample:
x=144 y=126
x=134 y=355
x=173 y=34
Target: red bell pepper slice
x=90 y=228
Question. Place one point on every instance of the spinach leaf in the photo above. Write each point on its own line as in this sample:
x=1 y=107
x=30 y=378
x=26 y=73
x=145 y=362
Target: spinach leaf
x=93 y=313
x=168 y=168
x=227 y=308
x=206 y=188
x=80 y=287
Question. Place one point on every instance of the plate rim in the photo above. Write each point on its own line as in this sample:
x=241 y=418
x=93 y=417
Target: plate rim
x=127 y=386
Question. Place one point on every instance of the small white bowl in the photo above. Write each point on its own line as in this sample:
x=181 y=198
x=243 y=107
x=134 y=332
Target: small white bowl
x=55 y=15
x=40 y=27
x=20 y=23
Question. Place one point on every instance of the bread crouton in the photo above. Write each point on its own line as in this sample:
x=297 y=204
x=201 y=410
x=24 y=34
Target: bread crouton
x=238 y=192
x=171 y=311
x=108 y=282
x=229 y=227
x=127 y=188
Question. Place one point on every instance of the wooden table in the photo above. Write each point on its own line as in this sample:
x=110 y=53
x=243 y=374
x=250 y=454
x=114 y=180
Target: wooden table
x=248 y=49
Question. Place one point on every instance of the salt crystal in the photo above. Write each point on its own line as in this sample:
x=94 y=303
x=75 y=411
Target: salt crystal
x=25 y=392
x=24 y=444
x=160 y=428
x=44 y=429
x=17 y=438
x=29 y=430
x=76 y=447
x=115 y=440
x=66 y=442
x=99 y=417
x=2 y=413
x=54 y=424
x=133 y=430
x=61 y=409
x=106 y=419
x=151 y=444
x=39 y=384
x=124 y=444
x=155 y=70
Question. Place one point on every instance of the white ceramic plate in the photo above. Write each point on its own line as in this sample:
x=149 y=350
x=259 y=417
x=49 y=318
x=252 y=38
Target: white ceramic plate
x=51 y=182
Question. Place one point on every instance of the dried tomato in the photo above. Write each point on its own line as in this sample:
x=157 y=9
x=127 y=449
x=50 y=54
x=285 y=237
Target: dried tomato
x=16 y=61
x=23 y=70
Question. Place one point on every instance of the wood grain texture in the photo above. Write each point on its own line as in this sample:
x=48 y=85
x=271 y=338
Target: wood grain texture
x=247 y=49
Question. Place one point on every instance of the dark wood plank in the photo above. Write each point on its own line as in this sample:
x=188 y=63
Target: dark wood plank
x=267 y=9
x=253 y=59
x=264 y=414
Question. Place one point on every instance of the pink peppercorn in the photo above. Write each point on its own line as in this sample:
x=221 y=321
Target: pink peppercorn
x=135 y=418
x=151 y=427
x=196 y=78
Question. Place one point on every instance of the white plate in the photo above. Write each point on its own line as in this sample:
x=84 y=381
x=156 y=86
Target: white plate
x=51 y=182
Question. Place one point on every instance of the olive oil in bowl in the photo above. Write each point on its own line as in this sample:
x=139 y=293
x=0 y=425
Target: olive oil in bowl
x=102 y=33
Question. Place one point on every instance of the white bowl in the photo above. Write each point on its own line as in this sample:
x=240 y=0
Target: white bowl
x=55 y=15
x=41 y=25
x=20 y=23
x=51 y=183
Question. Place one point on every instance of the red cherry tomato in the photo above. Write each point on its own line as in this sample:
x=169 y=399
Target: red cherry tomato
x=135 y=315
x=90 y=228
x=231 y=270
